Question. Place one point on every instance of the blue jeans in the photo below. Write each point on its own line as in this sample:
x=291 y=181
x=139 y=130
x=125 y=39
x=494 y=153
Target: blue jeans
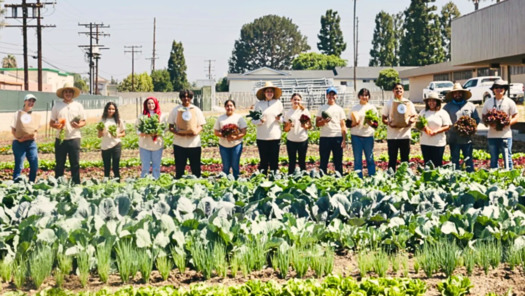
x=467 y=155
x=25 y=149
x=150 y=159
x=362 y=145
x=503 y=146
x=230 y=159
x=327 y=145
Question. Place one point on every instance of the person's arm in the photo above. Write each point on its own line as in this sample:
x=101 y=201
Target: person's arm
x=287 y=126
x=121 y=131
x=343 y=133
x=55 y=124
x=514 y=119
x=79 y=124
x=475 y=116
x=240 y=135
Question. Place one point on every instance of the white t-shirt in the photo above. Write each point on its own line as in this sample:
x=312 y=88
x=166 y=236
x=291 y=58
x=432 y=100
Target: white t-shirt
x=224 y=120
x=108 y=141
x=436 y=119
x=147 y=141
x=68 y=112
x=187 y=141
x=362 y=129
x=506 y=105
x=333 y=128
x=297 y=133
x=270 y=129
x=398 y=133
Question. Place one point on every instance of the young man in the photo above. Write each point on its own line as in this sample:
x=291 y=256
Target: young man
x=333 y=131
x=398 y=136
x=68 y=116
x=457 y=107
x=500 y=141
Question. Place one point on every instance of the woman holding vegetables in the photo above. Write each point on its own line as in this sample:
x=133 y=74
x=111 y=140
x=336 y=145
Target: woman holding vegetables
x=297 y=123
x=150 y=127
x=111 y=129
x=364 y=119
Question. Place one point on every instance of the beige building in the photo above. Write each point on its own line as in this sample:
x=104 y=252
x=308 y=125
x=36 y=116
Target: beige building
x=51 y=79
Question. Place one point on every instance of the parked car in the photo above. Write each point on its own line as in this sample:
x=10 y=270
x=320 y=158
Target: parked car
x=441 y=87
x=516 y=92
x=480 y=88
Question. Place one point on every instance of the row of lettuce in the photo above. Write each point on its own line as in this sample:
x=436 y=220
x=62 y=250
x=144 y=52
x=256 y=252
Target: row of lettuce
x=223 y=227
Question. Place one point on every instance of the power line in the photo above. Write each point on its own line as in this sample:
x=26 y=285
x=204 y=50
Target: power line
x=93 y=51
x=133 y=51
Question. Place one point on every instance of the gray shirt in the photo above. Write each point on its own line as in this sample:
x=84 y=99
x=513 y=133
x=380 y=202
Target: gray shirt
x=455 y=111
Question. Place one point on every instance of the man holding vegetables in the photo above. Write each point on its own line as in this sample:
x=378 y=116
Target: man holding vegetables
x=68 y=116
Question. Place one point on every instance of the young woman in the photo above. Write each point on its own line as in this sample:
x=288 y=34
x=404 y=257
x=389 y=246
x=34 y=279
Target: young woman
x=150 y=145
x=269 y=126
x=362 y=134
x=111 y=146
x=230 y=146
x=433 y=136
x=297 y=138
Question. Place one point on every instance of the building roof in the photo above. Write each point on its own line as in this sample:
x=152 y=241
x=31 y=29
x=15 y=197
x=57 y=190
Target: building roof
x=266 y=73
x=363 y=72
x=61 y=73
x=445 y=67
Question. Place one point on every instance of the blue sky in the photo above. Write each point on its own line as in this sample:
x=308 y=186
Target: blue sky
x=207 y=29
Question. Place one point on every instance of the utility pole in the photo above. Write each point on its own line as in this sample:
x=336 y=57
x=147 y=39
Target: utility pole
x=93 y=52
x=210 y=68
x=133 y=51
x=355 y=48
x=35 y=7
x=154 y=55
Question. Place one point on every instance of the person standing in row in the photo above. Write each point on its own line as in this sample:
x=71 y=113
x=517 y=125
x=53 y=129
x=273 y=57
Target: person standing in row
x=151 y=145
x=111 y=146
x=331 y=122
x=362 y=134
x=500 y=137
x=457 y=107
x=68 y=117
x=297 y=123
x=433 y=138
x=186 y=122
x=269 y=126
x=230 y=145
x=25 y=129
x=398 y=114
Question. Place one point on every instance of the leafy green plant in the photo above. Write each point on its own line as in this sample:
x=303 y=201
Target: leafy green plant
x=365 y=262
x=380 y=262
x=179 y=258
x=65 y=266
x=103 y=256
x=83 y=267
x=6 y=269
x=164 y=265
x=427 y=259
x=514 y=257
x=19 y=272
x=281 y=261
x=448 y=253
x=455 y=285
x=125 y=258
x=469 y=260
x=300 y=260
x=202 y=258
x=219 y=259
x=146 y=259
x=41 y=264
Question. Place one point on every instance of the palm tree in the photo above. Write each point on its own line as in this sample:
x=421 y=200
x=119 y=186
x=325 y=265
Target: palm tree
x=9 y=61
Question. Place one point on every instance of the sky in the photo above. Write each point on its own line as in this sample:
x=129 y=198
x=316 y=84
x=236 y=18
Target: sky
x=207 y=29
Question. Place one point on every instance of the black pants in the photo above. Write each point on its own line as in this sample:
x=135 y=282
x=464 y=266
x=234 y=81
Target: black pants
x=111 y=159
x=401 y=145
x=294 y=149
x=433 y=154
x=182 y=155
x=269 y=155
x=332 y=145
x=71 y=148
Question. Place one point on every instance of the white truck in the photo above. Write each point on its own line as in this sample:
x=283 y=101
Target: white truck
x=480 y=89
x=441 y=87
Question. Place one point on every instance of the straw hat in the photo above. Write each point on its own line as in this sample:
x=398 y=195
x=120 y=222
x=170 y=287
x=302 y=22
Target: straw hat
x=60 y=91
x=277 y=91
x=458 y=88
x=500 y=82
x=434 y=96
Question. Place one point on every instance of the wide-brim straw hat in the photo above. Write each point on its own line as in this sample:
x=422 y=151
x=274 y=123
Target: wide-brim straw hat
x=60 y=91
x=458 y=88
x=277 y=91
x=434 y=96
x=500 y=82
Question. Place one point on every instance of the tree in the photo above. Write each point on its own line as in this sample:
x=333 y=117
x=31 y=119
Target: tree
x=9 y=61
x=270 y=41
x=387 y=78
x=398 y=22
x=222 y=86
x=449 y=12
x=80 y=83
x=177 y=67
x=330 y=36
x=383 y=42
x=141 y=82
x=317 y=61
x=421 y=43
x=161 y=80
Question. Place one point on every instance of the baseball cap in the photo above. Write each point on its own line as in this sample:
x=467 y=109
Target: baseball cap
x=331 y=89
x=29 y=97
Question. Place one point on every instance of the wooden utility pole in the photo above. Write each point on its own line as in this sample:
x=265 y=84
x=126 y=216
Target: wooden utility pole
x=355 y=48
x=93 y=52
x=154 y=54
x=133 y=51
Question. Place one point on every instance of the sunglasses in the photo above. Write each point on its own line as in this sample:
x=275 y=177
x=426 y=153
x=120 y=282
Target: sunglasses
x=186 y=96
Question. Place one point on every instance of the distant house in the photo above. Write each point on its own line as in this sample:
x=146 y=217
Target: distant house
x=51 y=79
x=102 y=86
x=365 y=76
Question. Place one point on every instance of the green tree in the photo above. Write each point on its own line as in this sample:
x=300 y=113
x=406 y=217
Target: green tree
x=398 y=22
x=269 y=41
x=9 y=61
x=421 y=43
x=330 y=36
x=177 y=67
x=141 y=83
x=317 y=61
x=223 y=85
x=161 y=80
x=383 y=42
x=387 y=78
x=449 y=12
x=80 y=83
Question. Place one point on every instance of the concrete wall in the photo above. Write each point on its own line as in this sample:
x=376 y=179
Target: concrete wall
x=241 y=85
x=417 y=84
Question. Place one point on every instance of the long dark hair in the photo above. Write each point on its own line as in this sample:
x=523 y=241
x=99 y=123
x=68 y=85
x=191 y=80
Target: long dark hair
x=363 y=92
x=438 y=104
x=115 y=116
